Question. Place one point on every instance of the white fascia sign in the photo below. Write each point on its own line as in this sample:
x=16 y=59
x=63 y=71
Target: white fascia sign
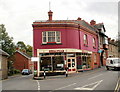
x=34 y=59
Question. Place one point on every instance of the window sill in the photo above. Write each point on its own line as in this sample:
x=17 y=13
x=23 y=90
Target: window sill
x=85 y=45
x=94 y=47
x=95 y=63
x=51 y=43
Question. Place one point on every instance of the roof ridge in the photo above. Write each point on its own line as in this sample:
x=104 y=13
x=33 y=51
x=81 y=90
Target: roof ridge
x=24 y=54
x=3 y=53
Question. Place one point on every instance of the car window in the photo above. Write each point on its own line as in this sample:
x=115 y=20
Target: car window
x=111 y=61
x=25 y=70
x=116 y=61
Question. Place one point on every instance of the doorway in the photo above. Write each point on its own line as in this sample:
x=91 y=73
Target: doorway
x=71 y=63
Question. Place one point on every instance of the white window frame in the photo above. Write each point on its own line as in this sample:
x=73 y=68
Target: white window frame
x=47 y=36
x=94 y=42
x=85 y=39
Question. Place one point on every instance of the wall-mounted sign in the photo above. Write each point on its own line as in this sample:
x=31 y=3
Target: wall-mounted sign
x=100 y=51
x=34 y=59
x=54 y=51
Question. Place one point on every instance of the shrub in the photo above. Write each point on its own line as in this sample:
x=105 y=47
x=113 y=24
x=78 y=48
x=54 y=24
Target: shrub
x=16 y=71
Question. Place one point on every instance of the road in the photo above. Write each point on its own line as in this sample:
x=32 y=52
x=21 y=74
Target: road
x=97 y=79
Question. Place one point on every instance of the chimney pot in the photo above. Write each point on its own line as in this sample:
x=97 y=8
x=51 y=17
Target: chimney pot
x=92 y=22
x=112 y=40
x=79 y=18
x=109 y=39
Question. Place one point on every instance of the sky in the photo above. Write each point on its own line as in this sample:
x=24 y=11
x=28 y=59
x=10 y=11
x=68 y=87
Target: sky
x=18 y=15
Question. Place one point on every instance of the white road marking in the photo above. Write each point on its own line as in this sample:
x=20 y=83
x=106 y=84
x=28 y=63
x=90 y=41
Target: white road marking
x=95 y=76
x=117 y=88
x=85 y=86
x=38 y=84
x=66 y=86
x=113 y=71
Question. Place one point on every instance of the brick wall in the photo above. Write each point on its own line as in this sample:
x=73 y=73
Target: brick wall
x=21 y=62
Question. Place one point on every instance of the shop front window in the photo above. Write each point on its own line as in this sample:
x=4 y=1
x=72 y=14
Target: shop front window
x=46 y=64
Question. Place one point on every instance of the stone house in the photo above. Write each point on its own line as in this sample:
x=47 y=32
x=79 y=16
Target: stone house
x=3 y=64
x=113 y=48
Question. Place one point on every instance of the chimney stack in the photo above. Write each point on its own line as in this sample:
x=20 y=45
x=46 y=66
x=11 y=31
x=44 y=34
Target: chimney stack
x=109 y=39
x=79 y=18
x=50 y=15
x=113 y=40
x=92 y=22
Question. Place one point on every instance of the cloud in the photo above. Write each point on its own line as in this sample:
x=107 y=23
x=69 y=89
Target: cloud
x=18 y=15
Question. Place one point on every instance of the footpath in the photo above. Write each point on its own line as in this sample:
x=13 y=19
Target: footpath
x=69 y=74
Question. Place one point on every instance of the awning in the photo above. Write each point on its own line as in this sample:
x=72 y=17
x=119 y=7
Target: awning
x=100 y=51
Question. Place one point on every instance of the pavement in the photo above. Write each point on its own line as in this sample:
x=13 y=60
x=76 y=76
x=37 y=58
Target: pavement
x=97 y=79
x=69 y=74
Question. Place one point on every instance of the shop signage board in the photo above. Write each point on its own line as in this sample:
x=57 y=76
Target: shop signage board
x=35 y=59
x=57 y=50
x=54 y=51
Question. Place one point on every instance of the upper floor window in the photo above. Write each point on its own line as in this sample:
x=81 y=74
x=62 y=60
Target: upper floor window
x=94 y=42
x=85 y=40
x=51 y=36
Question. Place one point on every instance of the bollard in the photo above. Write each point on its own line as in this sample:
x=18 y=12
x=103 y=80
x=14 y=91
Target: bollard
x=44 y=74
x=66 y=73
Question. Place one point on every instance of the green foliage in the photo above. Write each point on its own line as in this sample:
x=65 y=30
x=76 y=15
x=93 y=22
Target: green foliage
x=6 y=41
x=21 y=45
x=7 y=45
x=16 y=71
x=24 y=48
x=29 y=50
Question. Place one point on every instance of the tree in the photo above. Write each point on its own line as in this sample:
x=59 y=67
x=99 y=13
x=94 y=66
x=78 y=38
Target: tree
x=7 y=45
x=6 y=41
x=24 y=48
x=29 y=50
x=21 y=46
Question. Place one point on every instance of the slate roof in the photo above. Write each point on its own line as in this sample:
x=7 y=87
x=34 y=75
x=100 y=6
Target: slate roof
x=99 y=26
x=81 y=22
x=24 y=54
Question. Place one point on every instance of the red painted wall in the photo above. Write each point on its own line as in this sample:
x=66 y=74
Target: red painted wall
x=90 y=42
x=70 y=38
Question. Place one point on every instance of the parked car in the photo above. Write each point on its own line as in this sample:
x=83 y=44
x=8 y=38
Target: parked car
x=113 y=63
x=26 y=71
